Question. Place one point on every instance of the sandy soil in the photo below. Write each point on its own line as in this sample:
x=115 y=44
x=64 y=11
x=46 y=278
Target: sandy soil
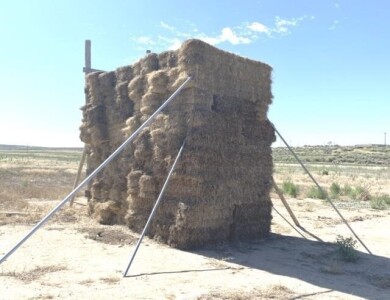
x=72 y=257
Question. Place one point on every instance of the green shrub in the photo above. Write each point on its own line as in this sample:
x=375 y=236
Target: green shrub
x=346 y=249
x=335 y=190
x=324 y=172
x=385 y=198
x=347 y=190
x=315 y=193
x=360 y=193
x=379 y=203
x=357 y=193
x=290 y=188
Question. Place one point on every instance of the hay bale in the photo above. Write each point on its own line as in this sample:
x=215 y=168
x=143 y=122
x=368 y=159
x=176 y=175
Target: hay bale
x=136 y=88
x=124 y=74
x=220 y=188
x=158 y=81
x=107 y=212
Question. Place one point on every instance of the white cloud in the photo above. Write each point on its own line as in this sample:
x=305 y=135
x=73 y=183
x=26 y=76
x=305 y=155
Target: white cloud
x=175 y=44
x=227 y=35
x=170 y=43
x=144 y=40
x=284 y=25
x=258 y=27
x=208 y=39
x=244 y=33
x=166 y=26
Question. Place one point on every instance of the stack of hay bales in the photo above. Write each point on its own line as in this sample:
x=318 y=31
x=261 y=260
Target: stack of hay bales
x=220 y=188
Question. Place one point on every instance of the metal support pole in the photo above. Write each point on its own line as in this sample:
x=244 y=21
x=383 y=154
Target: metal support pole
x=285 y=203
x=292 y=226
x=156 y=205
x=95 y=172
x=322 y=191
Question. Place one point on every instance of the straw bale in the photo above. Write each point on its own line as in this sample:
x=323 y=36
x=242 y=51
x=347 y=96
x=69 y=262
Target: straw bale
x=146 y=112
x=136 y=88
x=124 y=74
x=151 y=99
x=220 y=188
x=147 y=184
x=122 y=92
x=157 y=82
x=149 y=63
x=107 y=212
x=168 y=59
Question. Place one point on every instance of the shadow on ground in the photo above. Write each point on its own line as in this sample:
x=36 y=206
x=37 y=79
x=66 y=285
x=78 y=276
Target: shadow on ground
x=311 y=261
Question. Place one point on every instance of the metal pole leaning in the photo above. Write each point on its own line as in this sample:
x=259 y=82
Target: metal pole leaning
x=322 y=191
x=156 y=205
x=80 y=168
x=94 y=173
x=285 y=203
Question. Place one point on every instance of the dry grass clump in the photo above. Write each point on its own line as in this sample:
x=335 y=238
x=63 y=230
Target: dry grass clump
x=34 y=274
x=111 y=280
x=9 y=202
x=276 y=291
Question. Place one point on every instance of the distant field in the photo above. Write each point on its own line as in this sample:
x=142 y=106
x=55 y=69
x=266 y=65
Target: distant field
x=346 y=155
x=350 y=173
x=48 y=173
x=26 y=153
x=350 y=155
x=30 y=174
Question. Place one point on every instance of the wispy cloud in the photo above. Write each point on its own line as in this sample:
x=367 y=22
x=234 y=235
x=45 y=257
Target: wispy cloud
x=284 y=26
x=334 y=25
x=166 y=26
x=227 y=35
x=259 y=27
x=245 y=33
x=144 y=40
x=173 y=43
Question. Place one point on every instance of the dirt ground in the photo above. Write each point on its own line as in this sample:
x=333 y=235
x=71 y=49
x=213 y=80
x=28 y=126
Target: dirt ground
x=73 y=257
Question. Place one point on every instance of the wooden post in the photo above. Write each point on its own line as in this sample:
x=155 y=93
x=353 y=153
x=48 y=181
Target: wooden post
x=280 y=194
x=87 y=69
x=87 y=55
x=76 y=182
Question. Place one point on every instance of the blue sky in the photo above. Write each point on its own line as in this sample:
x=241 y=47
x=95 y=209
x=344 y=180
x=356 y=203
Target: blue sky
x=331 y=78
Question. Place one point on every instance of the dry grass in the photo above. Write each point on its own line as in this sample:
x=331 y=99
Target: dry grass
x=276 y=291
x=362 y=181
x=87 y=282
x=33 y=274
x=28 y=176
x=111 y=280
